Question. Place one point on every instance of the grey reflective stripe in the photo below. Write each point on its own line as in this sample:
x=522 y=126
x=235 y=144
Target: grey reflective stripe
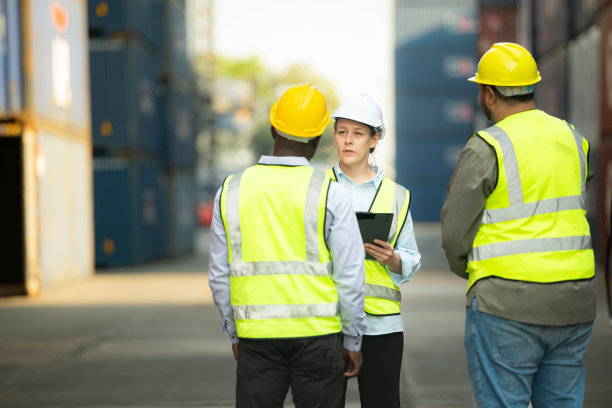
x=252 y=312
x=526 y=246
x=311 y=216
x=518 y=208
x=233 y=217
x=280 y=268
x=399 y=198
x=382 y=292
x=583 y=162
x=515 y=190
x=546 y=206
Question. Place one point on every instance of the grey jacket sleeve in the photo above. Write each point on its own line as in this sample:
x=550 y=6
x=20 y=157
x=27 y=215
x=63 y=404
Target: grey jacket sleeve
x=473 y=180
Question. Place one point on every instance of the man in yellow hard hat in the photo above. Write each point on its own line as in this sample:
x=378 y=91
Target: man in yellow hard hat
x=287 y=267
x=514 y=225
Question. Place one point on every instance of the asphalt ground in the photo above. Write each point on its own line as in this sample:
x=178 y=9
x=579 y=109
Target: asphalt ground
x=149 y=336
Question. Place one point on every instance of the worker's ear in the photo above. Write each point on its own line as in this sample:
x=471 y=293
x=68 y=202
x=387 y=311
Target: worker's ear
x=490 y=95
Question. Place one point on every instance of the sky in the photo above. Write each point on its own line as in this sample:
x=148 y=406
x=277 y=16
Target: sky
x=349 y=42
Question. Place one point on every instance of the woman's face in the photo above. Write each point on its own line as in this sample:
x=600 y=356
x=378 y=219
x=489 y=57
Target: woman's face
x=353 y=141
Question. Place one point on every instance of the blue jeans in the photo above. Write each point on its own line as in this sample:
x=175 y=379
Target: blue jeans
x=512 y=363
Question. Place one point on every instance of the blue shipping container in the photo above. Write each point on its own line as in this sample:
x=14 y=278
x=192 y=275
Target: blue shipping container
x=179 y=129
x=435 y=115
x=55 y=70
x=181 y=190
x=427 y=161
x=426 y=200
x=124 y=97
x=107 y=17
x=438 y=59
x=11 y=87
x=130 y=211
x=177 y=65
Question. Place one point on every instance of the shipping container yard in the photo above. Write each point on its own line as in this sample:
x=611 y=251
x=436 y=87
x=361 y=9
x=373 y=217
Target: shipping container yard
x=119 y=121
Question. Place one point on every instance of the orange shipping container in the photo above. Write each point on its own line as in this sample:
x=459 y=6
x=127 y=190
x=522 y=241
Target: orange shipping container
x=604 y=196
x=605 y=25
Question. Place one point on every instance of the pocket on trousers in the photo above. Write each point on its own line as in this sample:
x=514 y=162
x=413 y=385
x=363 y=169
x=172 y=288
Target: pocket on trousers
x=512 y=343
x=579 y=342
x=322 y=357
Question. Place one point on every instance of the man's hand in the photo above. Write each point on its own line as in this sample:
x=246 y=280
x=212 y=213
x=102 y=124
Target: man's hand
x=235 y=350
x=354 y=360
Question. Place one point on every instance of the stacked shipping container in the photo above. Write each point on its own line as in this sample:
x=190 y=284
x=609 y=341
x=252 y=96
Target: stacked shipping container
x=143 y=131
x=45 y=145
x=568 y=39
x=434 y=55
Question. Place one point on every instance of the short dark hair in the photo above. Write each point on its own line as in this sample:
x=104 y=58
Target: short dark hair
x=513 y=99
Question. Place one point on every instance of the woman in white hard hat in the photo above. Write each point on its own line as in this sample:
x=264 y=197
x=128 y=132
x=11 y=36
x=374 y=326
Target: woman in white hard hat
x=358 y=128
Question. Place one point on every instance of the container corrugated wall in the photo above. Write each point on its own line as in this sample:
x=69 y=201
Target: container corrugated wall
x=126 y=112
x=46 y=133
x=65 y=219
x=497 y=23
x=127 y=17
x=551 y=92
x=584 y=84
x=143 y=117
x=181 y=189
x=605 y=73
x=552 y=24
x=434 y=101
x=130 y=222
x=570 y=43
x=11 y=86
x=179 y=128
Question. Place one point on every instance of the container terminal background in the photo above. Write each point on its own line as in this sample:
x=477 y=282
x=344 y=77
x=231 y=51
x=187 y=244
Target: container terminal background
x=118 y=122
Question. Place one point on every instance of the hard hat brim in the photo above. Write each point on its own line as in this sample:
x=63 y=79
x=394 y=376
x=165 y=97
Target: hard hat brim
x=498 y=83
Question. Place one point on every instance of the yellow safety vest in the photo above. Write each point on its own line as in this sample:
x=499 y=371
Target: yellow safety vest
x=382 y=295
x=534 y=226
x=280 y=270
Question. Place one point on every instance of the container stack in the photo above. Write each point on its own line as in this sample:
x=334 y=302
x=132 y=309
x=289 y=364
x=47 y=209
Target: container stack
x=569 y=40
x=435 y=104
x=45 y=146
x=139 y=124
x=179 y=130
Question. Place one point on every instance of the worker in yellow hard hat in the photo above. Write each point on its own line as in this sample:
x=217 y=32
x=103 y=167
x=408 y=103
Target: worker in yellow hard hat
x=392 y=260
x=514 y=225
x=287 y=267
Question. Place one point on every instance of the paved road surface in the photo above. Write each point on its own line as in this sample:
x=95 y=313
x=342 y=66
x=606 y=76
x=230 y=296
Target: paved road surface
x=148 y=336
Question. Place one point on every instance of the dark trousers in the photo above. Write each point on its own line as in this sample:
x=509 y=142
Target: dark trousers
x=311 y=366
x=379 y=378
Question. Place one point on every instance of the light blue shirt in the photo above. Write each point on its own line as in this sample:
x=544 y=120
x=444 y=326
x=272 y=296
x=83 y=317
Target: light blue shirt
x=346 y=250
x=406 y=247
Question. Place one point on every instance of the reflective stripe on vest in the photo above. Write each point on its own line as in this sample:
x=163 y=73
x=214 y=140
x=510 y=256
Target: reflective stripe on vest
x=511 y=242
x=280 y=269
x=382 y=295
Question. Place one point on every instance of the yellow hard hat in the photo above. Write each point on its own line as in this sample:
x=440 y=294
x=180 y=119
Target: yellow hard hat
x=507 y=64
x=300 y=112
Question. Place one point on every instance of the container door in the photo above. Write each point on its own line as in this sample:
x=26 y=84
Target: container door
x=12 y=272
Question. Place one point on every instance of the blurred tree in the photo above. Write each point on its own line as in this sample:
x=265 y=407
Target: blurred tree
x=268 y=86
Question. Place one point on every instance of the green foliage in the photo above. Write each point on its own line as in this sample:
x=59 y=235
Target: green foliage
x=268 y=85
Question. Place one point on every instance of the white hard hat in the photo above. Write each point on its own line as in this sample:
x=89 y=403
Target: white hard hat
x=364 y=109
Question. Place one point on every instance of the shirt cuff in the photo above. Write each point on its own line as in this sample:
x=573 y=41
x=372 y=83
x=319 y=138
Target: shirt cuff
x=352 y=343
x=233 y=337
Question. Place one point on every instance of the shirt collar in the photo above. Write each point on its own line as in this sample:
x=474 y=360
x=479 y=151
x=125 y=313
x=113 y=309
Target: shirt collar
x=376 y=180
x=284 y=160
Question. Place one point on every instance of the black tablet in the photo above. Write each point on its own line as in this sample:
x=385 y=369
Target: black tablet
x=374 y=226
